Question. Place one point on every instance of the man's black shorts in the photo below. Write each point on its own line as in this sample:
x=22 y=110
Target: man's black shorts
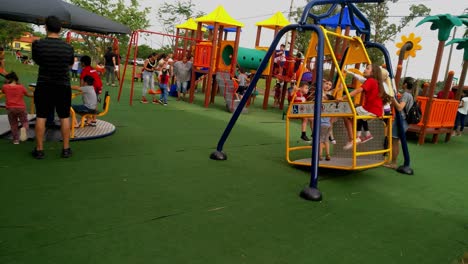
x=50 y=96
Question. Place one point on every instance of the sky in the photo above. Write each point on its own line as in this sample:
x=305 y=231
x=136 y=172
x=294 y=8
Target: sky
x=249 y=12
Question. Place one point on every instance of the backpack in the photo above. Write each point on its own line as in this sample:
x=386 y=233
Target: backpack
x=414 y=114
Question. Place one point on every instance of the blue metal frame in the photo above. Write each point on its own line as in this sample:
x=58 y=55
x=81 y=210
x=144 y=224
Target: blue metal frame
x=301 y=26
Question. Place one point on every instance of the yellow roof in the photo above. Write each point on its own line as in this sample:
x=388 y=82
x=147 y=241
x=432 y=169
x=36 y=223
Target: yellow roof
x=190 y=24
x=219 y=15
x=277 y=20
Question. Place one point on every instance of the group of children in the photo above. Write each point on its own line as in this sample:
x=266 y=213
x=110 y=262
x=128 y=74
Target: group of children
x=90 y=87
x=377 y=101
x=306 y=93
x=161 y=65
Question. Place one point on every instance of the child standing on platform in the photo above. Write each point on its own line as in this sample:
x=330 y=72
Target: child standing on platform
x=301 y=97
x=16 y=108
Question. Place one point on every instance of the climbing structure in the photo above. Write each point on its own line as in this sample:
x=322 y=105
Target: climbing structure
x=207 y=59
x=345 y=109
x=184 y=38
x=361 y=156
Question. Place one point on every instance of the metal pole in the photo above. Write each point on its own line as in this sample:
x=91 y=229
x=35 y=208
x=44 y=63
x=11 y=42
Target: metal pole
x=449 y=56
x=287 y=41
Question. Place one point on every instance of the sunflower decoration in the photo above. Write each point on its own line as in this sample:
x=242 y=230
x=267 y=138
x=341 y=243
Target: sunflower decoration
x=414 y=40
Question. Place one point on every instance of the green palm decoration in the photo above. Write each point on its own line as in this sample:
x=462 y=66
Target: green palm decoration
x=444 y=23
x=462 y=45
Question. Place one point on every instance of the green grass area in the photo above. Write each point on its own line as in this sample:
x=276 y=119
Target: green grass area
x=150 y=194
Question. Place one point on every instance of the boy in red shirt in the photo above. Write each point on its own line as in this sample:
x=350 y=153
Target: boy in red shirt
x=97 y=84
x=88 y=70
x=16 y=108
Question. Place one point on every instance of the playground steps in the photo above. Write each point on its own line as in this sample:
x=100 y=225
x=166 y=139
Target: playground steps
x=226 y=86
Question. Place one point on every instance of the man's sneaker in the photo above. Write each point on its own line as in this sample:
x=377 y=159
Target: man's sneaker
x=305 y=138
x=144 y=101
x=66 y=153
x=38 y=154
x=349 y=145
x=23 y=134
x=15 y=142
x=165 y=104
x=366 y=138
x=160 y=101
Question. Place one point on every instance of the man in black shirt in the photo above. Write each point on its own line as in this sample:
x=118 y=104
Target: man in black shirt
x=110 y=62
x=53 y=90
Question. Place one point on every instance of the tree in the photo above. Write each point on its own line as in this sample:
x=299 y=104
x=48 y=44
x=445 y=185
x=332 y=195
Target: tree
x=303 y=38
x=171 y=14
x=377 y=14
x=10 y=30
x=381 y=29
x=127 y=12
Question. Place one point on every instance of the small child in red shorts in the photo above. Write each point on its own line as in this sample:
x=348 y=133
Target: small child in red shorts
x=16 y=108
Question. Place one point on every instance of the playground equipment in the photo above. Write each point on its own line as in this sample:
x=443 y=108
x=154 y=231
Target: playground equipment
x=207 y=57
x=437 y=113
x=439 y=117
x=312 y=192
x=275 y=23
x=218 y=54
x=133 y=46
x=362 y=156
x=184 y=49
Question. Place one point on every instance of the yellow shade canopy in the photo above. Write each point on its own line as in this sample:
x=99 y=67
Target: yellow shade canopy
x=219 y=15
x=277 y=20
x=190 y=24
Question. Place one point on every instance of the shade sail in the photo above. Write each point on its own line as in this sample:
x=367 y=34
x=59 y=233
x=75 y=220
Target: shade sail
x=33 y=11
x=190 y=24
x=221 y=16
x=277 y=20
x=333 y=21
x=84 y=20
x=72 y=17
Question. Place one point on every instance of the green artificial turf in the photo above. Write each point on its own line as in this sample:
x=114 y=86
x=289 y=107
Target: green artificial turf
x=150 y=194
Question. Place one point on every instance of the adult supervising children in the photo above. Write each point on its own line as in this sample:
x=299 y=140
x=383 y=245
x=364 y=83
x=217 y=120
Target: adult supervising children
x=182 y=74
x=461 y=116
x=53 y=91
x=110 y=63
x=405 y=103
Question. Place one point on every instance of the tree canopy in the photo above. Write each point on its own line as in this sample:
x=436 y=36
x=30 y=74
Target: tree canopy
x=127 y=12
x=10 y=30
x=382 y=30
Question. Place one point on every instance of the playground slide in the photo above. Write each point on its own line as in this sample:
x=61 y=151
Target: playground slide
x=248 y=59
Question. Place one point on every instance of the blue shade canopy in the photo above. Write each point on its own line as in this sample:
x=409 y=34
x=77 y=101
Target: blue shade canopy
x=229 y=29
x=333 y=21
